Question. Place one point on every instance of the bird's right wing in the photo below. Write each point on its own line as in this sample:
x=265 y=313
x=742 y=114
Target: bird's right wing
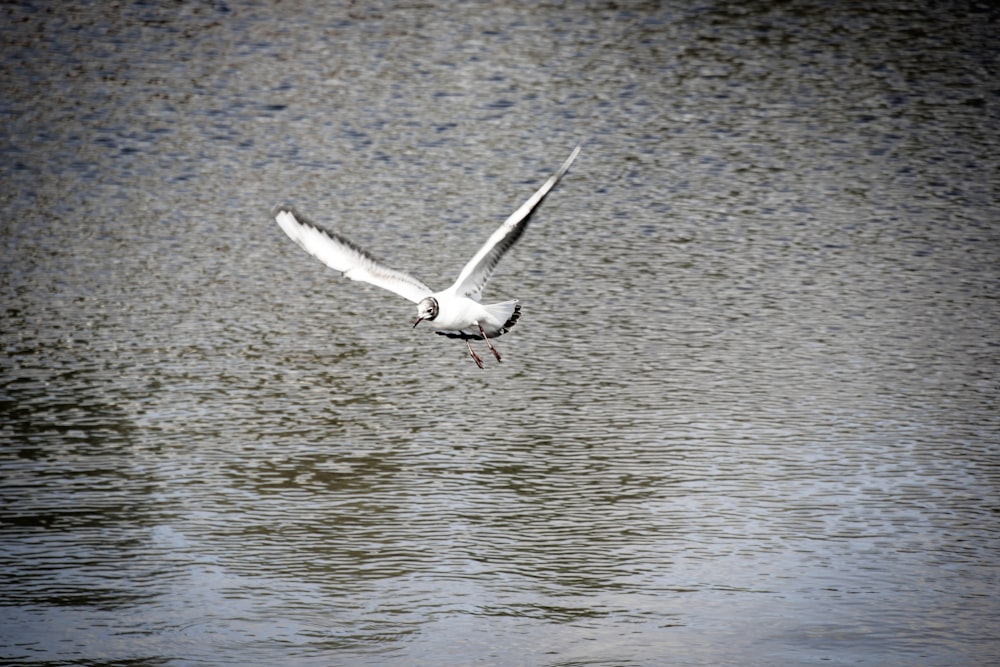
x=478 y=270
x=342 y=255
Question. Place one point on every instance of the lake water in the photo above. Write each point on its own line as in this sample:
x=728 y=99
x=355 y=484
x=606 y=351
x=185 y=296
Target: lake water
x=749 y=415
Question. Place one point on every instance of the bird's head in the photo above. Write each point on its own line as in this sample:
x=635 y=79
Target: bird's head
x=427 y=309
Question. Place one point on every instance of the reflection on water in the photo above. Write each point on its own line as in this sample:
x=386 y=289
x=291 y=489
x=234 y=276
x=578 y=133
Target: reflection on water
x=748 y=418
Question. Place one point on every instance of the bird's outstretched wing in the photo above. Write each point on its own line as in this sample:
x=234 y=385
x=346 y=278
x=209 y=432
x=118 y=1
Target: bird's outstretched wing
x=477 y=272
x=338 y=253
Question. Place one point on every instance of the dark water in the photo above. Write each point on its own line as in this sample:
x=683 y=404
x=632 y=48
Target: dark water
x=749 y=416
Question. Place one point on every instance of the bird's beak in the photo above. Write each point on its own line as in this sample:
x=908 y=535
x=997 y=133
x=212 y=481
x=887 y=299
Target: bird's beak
x=419 y=320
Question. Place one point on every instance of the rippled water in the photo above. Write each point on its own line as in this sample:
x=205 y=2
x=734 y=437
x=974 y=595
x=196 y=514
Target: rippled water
x=749 y=415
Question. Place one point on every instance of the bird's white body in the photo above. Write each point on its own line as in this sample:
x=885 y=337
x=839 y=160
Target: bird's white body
x=456 y=311
x=460 y=312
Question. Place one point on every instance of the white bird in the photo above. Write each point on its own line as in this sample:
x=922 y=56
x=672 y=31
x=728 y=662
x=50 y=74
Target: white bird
x=456 y=311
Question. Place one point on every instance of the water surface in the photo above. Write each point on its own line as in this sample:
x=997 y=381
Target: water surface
x=748 y=417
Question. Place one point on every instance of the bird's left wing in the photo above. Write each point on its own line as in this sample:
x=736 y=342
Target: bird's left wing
x=477 y=272
x=341 y=254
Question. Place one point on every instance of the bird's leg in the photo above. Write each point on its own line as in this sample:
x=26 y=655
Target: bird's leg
x=492 y=349
x=475 y=357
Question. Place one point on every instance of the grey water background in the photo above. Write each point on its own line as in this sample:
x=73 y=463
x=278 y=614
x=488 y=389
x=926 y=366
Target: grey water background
x=749 y=416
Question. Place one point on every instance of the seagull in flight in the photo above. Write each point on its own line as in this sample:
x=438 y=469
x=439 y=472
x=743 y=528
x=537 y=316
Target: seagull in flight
x=456 y=311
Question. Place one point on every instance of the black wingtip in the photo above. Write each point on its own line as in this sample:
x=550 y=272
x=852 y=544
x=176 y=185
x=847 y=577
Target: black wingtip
x=514 y=317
